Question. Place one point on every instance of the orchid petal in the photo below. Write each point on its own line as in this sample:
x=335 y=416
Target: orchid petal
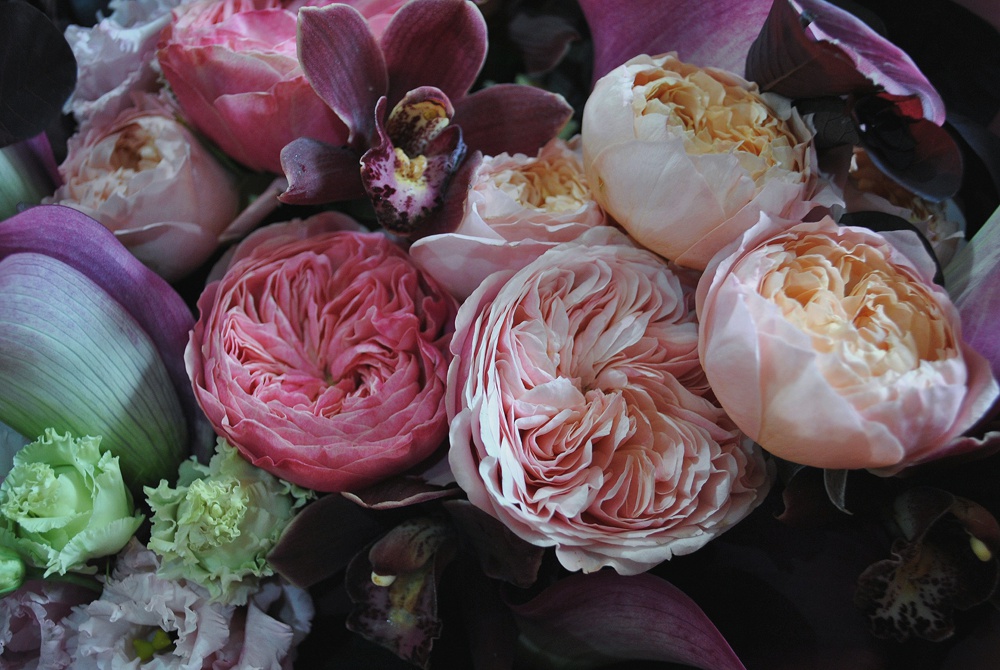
x=715 y=33
x=611 y=617
x=440 y=43
x=543 y=40
x=407 y=190
x=343 y=62
x=75 y=359
x=75 y=239
x=502 y=554
x=811 y=48
x=510 y=118
x=973 y=278
x=319 y=173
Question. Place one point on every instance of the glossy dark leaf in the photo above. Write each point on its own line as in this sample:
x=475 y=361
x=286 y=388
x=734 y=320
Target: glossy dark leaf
x=913 y=151
x=835 y=483
x=37 y=72
x=321 y=540
x=814 y=48
x=502 y=554
x=542 y=39
x=589 y=620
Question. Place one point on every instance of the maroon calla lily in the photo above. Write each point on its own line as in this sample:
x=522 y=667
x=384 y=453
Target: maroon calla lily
x=715 y=33
x=585 y=620
x=428 y=45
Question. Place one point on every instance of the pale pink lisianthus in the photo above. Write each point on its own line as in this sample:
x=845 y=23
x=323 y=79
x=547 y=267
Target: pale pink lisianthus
x=147 y=179
x=686 y=158
x=518 y=207
x=33 y=629
x=235 y=71
x=854 y=356
x=579 y=410
x=144 y=621
x=322 y=355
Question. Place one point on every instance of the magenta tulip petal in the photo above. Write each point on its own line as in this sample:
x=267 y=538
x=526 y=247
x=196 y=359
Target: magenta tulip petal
x=344 y=64
x=715 y=33
x=510 y=118
x=94 y=251
x=440 y=43
x=319 y=173
x=811 y=48
x=604 y=616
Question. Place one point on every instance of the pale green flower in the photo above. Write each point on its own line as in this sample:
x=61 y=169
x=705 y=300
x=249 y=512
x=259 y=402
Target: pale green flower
x=218 y=524
x=64 y=503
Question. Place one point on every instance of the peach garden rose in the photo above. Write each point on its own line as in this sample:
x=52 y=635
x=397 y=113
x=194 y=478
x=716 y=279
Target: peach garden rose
x=579 y=416
x=321 y=354
x=855 y=356
x=685 y=158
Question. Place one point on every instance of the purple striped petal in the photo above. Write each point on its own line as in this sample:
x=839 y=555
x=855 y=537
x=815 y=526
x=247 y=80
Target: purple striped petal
x=715 y=33
x=344 y=64
x=603 y=617
x=511 y=118
x=439 y=43
x=319 y=173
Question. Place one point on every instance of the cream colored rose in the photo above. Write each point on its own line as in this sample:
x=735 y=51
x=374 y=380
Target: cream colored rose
x=518 y=207
x=831 y=348
x=686 y=158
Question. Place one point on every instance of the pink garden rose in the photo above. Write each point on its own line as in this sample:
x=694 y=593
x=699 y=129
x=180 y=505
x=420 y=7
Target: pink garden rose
x=579 y=410
x=518 y=207
x=686 y=158
x=322 y=354
x=234 y=68
x=147 y=179
x=831 y=347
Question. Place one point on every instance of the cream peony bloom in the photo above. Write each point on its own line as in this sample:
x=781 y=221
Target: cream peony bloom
x=518 y=207
x=855 y=356
x=686 y=158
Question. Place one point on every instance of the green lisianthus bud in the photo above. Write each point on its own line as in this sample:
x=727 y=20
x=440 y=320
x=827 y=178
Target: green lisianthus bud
x=64 y=503
x=218 y=524
x=11 y=571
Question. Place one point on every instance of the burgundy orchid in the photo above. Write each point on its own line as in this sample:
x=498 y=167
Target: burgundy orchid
x=413 y=125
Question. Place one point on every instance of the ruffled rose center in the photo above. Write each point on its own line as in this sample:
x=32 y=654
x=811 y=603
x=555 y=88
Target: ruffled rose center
x=115 y=161
x=553 y=183
x=715 y=116
x=854 y=303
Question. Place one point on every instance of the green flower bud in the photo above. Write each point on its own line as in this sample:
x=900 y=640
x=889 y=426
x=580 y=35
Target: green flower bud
x=218 y=524
x=64 y=503
x=11 y=571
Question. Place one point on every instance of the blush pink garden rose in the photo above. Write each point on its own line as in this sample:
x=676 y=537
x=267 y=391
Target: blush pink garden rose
x=322 y=354
x=147 y=179
x=686 y=158
x=580 y=415
x=518 y=207
x=831 y=347
x=235 y=71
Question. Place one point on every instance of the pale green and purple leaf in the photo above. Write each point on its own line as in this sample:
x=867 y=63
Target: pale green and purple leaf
x=715 y=33
x=589 y=620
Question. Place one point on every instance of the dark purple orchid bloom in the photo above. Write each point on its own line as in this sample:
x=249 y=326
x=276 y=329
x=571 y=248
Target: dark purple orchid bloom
x=413 y=125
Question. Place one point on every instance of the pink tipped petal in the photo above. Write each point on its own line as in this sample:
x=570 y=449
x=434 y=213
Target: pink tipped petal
x=343 y=63
x=715 y=33
x=603 y=617
x=511 y=118
x=319 y=173
x=811 y=48
x=439 y=43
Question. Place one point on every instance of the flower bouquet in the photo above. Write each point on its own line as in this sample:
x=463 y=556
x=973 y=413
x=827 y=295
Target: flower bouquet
x=452 y=334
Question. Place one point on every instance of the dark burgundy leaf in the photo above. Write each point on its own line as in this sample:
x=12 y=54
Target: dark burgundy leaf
x=915 y=152
x=587 y=620
x=502 y=554
x=543 y=39
x=37 y=72
x=321 y=540
x=835 y=483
